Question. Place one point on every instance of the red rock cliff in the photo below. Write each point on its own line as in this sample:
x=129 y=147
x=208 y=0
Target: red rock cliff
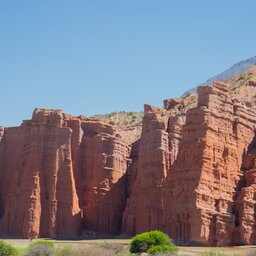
x=104 y=159
x=37 y=182
x=61 y=174
x=190 y=172
x=188 y=176
x=157 y=152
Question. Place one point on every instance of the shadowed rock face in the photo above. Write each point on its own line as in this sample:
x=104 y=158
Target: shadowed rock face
x=245 y=204
x=189 y=170
x=157 y=153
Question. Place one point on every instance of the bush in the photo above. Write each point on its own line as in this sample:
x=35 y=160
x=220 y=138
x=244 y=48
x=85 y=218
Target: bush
x=42 y=242
x=7 y=249
x=66 y=251
x=152 y=242
x=245 y=77
x=166 y=248
x=39 y=250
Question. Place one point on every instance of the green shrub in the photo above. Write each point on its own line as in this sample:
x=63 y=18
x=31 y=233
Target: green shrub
x=167 y=248
x=66 y=251
x=39 y=250
x=7 y=249
x=42 y=242
x=245 y=77
x=152 y=242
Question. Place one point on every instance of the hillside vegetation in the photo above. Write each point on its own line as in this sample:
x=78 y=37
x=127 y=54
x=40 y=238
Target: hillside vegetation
x=121 y=119
x=242 y=86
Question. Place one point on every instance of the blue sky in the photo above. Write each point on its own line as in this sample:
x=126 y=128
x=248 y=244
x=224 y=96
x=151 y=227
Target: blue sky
x=89 y=57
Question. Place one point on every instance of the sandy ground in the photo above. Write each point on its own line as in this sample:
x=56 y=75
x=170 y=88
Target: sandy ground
x=236 y=250
x=188 y=251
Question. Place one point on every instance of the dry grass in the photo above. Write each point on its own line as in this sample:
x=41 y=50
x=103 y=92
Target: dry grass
x=119 y=247
x=121 y=119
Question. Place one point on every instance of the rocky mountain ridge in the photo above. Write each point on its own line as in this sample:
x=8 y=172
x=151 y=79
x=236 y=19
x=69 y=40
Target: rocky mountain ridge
x=234 y=70
x=188 y=169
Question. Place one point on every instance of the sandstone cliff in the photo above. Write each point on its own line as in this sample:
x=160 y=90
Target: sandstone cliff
x=195 y=196
x=189 y=170
x=61 y=174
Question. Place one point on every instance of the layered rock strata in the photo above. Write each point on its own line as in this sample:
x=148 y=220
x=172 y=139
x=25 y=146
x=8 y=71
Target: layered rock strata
x=61 y=174
x=158 y=150
x=189 y=170
x=209 y=163
x=188 y=176
x=245 y=200
x=37 y=182
x=104 y=159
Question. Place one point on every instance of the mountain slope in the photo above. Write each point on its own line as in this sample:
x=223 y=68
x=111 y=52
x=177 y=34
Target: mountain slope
x=234 y=70
x=121 y=119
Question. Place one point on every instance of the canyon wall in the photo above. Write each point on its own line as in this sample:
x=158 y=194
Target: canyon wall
x=157 y=153
x=37 y=181
x=215 y=137
x=188 y=170
x=61 y=175
x=189 y=176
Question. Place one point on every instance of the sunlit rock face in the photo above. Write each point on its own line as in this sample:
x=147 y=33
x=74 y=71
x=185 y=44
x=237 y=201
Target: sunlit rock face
x=189 y=169
x=61 y=175
x=38 y=195
x=189 y=174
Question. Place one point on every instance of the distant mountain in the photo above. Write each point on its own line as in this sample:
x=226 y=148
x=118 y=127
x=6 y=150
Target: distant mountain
x=236 y=69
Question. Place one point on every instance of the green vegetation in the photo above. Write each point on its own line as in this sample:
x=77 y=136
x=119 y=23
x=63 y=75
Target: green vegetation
x=42 y=242
x=167 y=248
x=121 y=119
x=7 y=249
x=245 y=77
x=40 y=248
x=156 y=242
x=216 y=253
x=65 y=251
x=47 y=248
x=152 y=242
x=105 y=248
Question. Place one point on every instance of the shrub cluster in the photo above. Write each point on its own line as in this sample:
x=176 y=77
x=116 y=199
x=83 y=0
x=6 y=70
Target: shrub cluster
x=245 y=77
x=152 y=242
x=40 y=248
x=7 y=249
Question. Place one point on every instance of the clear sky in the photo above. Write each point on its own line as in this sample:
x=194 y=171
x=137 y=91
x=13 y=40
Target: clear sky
x=89 y=57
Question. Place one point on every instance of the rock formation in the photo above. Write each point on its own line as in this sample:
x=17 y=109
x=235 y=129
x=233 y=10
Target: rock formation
x=38 y=194
x=189 y=169
x=245 y=200
x=189 y=188
x=104 y=158
x=58 y=174
x=158 y=150
x=214 y=139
